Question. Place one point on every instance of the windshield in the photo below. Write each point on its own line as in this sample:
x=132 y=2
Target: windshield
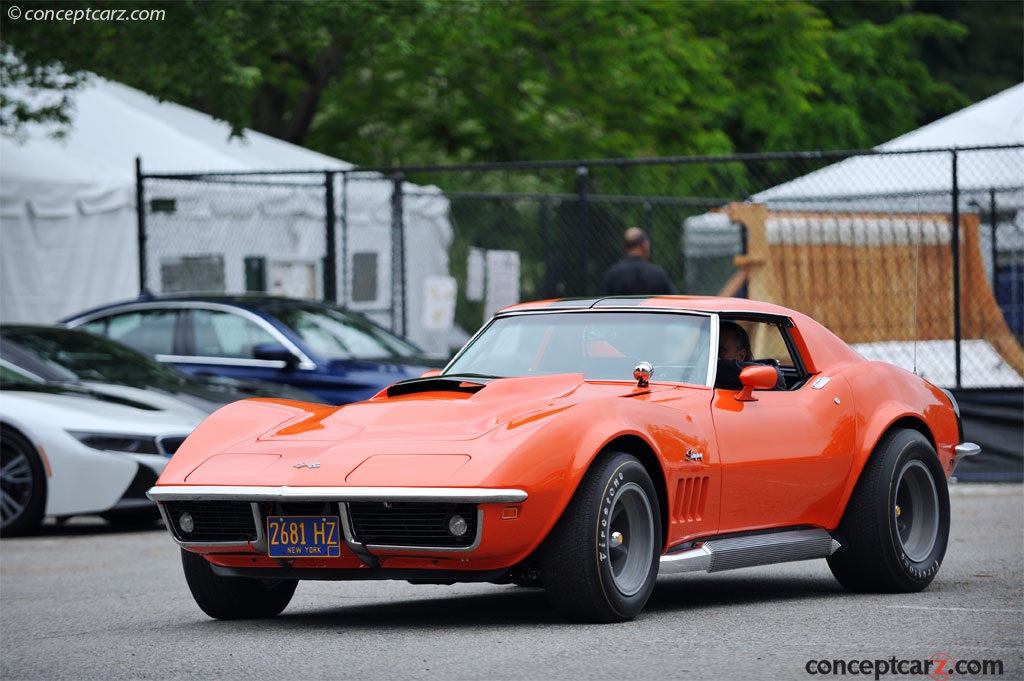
x=334 y=334
x=600 y=345
x=90 y=358
x=11 y=375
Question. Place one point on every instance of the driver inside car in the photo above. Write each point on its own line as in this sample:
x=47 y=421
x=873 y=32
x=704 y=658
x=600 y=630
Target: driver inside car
x=734 y=354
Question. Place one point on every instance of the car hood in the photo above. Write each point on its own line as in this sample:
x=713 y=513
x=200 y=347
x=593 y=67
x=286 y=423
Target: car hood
x=79 y=408
x=422 y=433
x=449 y=410
x=180 y=405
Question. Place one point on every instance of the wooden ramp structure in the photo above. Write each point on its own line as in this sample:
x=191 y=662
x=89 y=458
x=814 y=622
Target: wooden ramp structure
x=872 y=277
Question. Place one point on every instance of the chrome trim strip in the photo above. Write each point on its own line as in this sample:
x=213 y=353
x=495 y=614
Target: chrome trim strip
x=225 y=361
x=712 y=374
x=213 y=493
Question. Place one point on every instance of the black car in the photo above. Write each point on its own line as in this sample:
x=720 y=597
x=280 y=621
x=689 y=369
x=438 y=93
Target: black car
x=57 y=354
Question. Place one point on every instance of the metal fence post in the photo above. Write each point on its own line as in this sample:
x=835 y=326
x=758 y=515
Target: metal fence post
x=398 y=297
x=344 y=293
x=956 y=269
x=582 y=176
x=994 y=245
x=140 y=213
x=331 y=256
x=545 y=232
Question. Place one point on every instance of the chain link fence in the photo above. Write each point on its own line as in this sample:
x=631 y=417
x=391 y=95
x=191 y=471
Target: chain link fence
x=863 y=241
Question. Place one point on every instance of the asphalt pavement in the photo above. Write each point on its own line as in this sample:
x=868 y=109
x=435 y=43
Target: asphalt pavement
x=83 y=602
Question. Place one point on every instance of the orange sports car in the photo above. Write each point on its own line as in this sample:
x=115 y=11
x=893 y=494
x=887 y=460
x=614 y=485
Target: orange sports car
x=583 y=446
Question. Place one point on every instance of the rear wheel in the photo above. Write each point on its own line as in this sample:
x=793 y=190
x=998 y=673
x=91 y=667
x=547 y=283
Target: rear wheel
x=897 y=522
x=600 y=562
x=234 y=598
x=22 y=484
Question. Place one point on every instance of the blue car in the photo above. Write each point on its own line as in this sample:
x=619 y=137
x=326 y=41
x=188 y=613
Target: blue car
x=337 y=355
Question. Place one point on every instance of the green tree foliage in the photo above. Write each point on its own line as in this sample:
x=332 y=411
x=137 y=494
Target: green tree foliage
x=432 y=82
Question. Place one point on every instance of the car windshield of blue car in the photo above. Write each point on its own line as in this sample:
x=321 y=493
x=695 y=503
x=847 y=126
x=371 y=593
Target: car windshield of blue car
x=603 y=346
x=333 y=334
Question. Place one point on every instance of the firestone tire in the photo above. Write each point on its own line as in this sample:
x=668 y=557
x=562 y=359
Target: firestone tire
x=600 y=562
x=234 y=598
x=896 y=525
x=22 y=485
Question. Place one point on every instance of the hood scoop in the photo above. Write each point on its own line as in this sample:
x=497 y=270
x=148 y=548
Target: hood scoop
x=458 y=384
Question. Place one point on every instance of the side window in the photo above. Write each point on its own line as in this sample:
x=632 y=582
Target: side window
x=225 y=334
x=150 y=331
x=767 y=342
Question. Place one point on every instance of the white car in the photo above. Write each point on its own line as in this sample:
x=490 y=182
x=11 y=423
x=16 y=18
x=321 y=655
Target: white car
x=66 y=450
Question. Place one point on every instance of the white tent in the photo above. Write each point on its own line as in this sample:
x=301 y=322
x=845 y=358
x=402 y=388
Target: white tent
x=68 y=225
x=911 y=182
x=925 y=180
x=919 y=181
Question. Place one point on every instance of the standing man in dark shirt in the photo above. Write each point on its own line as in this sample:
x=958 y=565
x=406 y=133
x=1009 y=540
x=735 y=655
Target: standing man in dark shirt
x=635 y=274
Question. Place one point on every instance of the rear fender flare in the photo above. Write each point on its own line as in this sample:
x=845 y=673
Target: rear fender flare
x=890 y=417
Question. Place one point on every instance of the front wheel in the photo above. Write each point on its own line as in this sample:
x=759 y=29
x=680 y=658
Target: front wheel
x=22 y=484
x=897 y=521
x=600 y=562
x=234 y=598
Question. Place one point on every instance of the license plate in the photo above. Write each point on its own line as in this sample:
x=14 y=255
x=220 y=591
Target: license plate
x=304 y=536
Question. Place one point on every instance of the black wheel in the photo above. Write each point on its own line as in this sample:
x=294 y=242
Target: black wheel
x=600 y=562
x=896 y=525
x=22 y=484
x=234 y=598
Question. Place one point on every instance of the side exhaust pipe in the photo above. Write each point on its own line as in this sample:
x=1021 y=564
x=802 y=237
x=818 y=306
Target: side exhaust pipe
x=730 y=553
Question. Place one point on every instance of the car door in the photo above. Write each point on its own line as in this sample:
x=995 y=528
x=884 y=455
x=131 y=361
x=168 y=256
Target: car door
x=786 y=454
x=220 y=341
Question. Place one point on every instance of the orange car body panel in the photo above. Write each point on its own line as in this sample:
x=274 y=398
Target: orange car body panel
x=787 y=458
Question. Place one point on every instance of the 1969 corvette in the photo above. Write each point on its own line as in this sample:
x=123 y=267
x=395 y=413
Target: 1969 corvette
x=582 y=446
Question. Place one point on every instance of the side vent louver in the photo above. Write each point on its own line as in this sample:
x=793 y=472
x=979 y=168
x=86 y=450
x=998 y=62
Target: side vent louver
x=691 y=499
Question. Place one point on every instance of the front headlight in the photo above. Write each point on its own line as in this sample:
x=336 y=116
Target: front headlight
x=117 y=442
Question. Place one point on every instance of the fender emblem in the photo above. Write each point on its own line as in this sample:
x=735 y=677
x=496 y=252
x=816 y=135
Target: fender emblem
x=303 y=464
x=694 y=456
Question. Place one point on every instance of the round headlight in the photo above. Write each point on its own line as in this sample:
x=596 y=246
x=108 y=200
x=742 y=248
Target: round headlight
x=457 y=525
x=186 y=523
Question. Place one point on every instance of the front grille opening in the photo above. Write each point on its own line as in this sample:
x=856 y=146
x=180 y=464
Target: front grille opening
x=212 y=521
x=416 y=524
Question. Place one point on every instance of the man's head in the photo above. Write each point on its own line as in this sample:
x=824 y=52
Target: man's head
x=637 y=242
x=733 y=342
